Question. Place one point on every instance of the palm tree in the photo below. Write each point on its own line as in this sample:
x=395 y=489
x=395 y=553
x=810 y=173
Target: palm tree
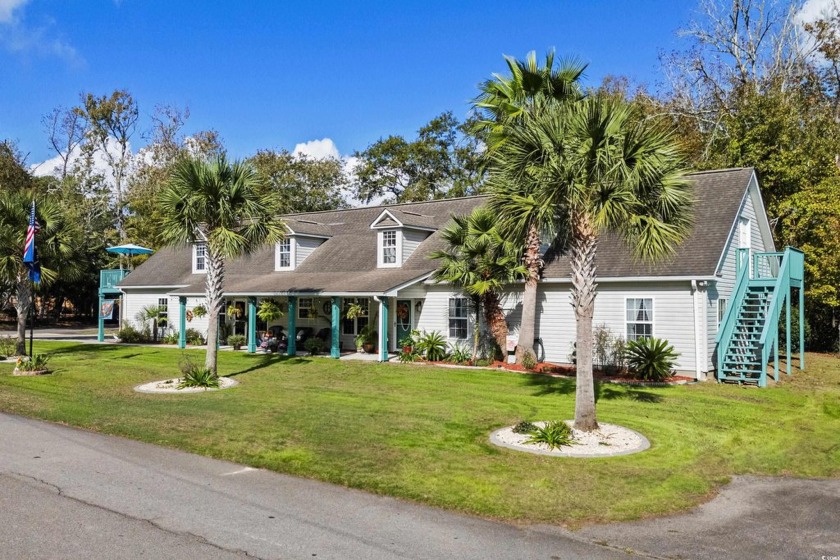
x=56 y=243
x=221 y=205
x=157 y=314
x=504 y=102
x=577 y=171
x=480 y=262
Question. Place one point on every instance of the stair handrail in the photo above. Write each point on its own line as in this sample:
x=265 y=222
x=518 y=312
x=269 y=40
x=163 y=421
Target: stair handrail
x=770 y=330
x=730 y=316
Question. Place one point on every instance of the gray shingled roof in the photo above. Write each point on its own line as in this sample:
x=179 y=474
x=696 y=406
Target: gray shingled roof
x=346 y=261
x=718 y=196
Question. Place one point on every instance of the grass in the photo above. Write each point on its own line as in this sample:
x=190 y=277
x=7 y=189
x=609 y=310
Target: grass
x=421 y=433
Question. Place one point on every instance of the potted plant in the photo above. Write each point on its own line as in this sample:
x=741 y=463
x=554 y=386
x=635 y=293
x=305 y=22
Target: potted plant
x=366 y=339
x=269 y=310
x=236 y=340
x=36 y=365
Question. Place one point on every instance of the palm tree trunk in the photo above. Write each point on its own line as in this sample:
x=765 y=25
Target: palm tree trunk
x=214 y=288
x=584 y=290
x=22 y=305
x=533 y=263
x=495 y=319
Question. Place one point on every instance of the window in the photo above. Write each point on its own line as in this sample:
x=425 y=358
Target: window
x=744 y=233
x=458 y=317
x=163 y=305
x=721 y=309
x=305 y=308
x=284 y=254
x=639 y=318
x=353 y=326
x=389 y=247
x=200 y=258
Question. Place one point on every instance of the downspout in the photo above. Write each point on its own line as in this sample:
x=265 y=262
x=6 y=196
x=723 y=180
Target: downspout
x=700 y=358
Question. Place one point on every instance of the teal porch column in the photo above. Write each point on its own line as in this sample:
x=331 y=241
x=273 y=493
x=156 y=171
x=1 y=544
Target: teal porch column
x=801 y=325
x=100 y=335
x=252 y=324
x=292 y=349
x=182 y=322
x=335 y=351
x=383 y=329
x=787 y=330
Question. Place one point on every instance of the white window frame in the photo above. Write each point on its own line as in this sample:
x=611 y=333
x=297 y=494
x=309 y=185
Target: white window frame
x=345 y=322
x=721 y=309
x=163 y=303
x=465 y=318
x=309 y=308
x=380 y=248
x=292 y=254
x=195 y=255
x=652 y=312
x=744 y=233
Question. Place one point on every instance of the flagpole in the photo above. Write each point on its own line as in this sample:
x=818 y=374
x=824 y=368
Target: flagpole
x=31 y=315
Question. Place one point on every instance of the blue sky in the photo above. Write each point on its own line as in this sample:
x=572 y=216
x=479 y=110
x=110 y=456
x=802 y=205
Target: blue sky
x=274 y=74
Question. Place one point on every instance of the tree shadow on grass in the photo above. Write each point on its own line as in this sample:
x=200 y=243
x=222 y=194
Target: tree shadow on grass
x=549 y=385
x=266 y=360
x=87 y=348
x=611 y=391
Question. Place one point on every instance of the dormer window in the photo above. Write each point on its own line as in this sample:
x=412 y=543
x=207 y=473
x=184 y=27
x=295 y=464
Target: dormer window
x=199 y=258
x=284 y=258
x=389 y=248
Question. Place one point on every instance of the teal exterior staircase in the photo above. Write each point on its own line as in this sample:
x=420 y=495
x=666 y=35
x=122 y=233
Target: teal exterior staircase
x=748 y=335
x=108 y=280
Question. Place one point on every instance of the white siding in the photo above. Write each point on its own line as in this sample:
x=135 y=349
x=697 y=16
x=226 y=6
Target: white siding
x=417 y=291
x=411 y=239
x=304 y=248
x=134 y=302
x=673 y=316
x=434 y=316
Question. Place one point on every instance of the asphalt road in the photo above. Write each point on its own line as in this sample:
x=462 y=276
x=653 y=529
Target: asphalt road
x=67 y=493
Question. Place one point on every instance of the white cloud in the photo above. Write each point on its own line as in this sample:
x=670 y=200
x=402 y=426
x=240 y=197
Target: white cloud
x=813 y=10
x=318 y=149
x=8 y=7
x=21 y=37
x=52 y=166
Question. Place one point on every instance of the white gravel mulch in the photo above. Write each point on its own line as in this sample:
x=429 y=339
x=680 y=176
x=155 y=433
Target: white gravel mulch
x=171 y=386
x=609 y=440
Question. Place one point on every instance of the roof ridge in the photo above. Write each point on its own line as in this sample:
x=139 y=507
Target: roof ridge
x=726 y=170
x=385 y=206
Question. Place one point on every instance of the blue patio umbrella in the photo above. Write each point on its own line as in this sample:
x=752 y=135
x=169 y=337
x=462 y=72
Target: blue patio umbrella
x=129 y=249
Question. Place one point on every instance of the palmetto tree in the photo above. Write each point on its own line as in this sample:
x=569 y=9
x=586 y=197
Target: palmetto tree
x=580 y=170
x=56 y=243
x=219 y=204
x=480 y=262
x=504 y=102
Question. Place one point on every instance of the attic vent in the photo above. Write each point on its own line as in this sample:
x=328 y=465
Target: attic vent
x=415 y=214
x=309 y=222
x=334 y=224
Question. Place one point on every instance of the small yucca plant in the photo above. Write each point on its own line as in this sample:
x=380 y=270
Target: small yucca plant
x=554 y=434
x=651 y=359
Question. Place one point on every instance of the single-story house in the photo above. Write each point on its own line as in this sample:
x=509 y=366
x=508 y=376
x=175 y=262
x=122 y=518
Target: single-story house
x=378 y=257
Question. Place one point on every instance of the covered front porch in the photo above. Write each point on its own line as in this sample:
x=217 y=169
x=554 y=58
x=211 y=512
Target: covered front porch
x=382 y=322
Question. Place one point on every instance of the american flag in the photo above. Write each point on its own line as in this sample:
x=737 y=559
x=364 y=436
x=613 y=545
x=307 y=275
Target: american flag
x=30 y=254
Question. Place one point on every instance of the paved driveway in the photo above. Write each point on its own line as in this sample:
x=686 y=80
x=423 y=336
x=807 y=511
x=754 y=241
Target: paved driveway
x=67 y=493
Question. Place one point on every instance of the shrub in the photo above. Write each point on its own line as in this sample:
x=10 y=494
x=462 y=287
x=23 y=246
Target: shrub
x=199 y=311
x=193 y=375
x=524 y=428
x=236 y=340
x=608 y=350
x=529 y=362
x=130 y=335
x=407 y=356
x=314 y=345
x=194 y=337
x=8 y=345
x=432 y=346
x=38 y=362
x=460 y=354
x=651 y=359
x=554 y=434
x=170 y=338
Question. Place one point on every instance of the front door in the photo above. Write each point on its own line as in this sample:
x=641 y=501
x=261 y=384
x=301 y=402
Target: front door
x=403 y=319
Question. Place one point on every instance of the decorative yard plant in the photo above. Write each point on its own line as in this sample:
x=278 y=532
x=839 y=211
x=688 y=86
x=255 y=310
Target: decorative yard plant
x=38 y=362
x=432 y=346
x=236 y=340
x=554 y=434
x=193 y=375
x=651 y=359
x=460 y=354
x=314 y=345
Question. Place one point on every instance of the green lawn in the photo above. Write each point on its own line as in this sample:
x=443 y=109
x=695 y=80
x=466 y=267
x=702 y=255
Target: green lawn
x=422 y=433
